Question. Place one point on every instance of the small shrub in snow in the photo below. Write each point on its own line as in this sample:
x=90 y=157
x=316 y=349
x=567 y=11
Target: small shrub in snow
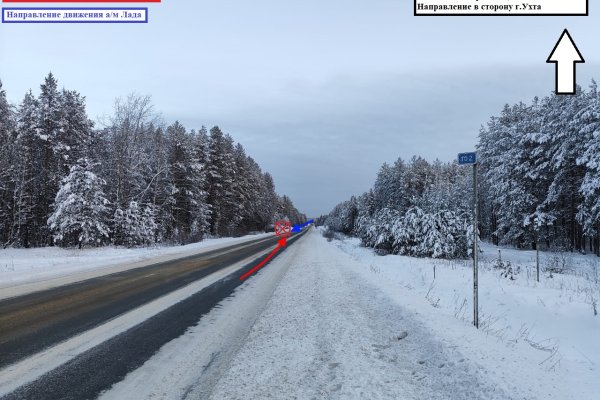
x=381 y=252
x=329 y=234
x=374 y=268
x=507 y=270
x=558 y=263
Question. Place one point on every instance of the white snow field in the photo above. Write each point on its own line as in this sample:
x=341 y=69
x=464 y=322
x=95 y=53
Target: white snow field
x=540 y=339
x=333 y=321
x=27 y=270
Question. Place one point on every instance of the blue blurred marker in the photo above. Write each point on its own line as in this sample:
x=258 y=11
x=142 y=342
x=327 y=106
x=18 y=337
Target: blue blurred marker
x=298 y=228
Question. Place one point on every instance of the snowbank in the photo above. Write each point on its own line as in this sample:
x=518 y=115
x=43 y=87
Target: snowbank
x=543 y=336
x=344 y=323
x=54 y=266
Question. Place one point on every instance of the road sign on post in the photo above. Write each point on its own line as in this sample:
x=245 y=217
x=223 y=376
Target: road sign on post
x=467 y=158
x=471 y=159
x=283 y=229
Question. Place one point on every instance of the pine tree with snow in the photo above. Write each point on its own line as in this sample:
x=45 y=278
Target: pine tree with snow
x=189 y=212
x=8 y=159
x=505 y=150
x=134 y=225
x=221 y=174
x=28 y=172
x=76 y=133
x=268 y=201
x=80 y=209
x=49 y=128
x=588 y=122
x=199 y=168
x=162 y=184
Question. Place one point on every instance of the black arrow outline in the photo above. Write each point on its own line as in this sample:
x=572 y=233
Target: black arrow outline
x=565 y=32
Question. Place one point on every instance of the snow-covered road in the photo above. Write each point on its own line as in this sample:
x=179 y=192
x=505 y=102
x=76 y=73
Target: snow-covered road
x=326 y=334
x=308 y=327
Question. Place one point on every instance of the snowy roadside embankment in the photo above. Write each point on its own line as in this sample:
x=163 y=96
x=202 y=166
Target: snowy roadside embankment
x=50 y=266
x=327 y=333
x=343 y=323
x=540 y=336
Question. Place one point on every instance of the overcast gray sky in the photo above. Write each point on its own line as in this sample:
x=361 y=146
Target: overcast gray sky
x=320 y=93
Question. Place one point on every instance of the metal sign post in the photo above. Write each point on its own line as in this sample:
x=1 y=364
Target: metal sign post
x=475 y=250
x=471 y=159
x=537 y=248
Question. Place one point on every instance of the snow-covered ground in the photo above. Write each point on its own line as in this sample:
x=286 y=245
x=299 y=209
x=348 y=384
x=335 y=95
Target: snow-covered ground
x=332 y=320
x=26 y=270
x=542 y=338
x=343 y=323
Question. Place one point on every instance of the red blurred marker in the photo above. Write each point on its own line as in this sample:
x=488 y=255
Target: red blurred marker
x=283 y=228
x=281 y=243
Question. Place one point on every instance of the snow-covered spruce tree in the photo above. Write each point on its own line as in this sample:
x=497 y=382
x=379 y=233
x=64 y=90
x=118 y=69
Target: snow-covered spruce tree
x=80 y=212
x=199 y=167
x=134 y=225
x=342 y=218
x=383 y=229
x=365 y=207
x=437 y=235
x=505 y=152
x=161 y=184
x=76 y=133
x=389 y=186
x=451 y=190
x=588 y=122
x=248 y=189
x=221 y=172
x=290 y=212
x=189 y=211
x=564 y=144
x=260 y=215
x=49 y=128
x=8 y=157
x=415 y=208
x=535 y=164
x=417 y=233
x=244 y=190
x=51 y=133
x=268 y=201
x=28 y=167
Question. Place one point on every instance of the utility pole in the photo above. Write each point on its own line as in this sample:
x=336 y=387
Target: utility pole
x=475 y=249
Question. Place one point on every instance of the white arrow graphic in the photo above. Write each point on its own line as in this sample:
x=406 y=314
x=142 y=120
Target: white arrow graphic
x=565 y=55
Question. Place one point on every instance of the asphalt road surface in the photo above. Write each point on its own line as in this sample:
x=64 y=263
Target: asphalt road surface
x=36 y=321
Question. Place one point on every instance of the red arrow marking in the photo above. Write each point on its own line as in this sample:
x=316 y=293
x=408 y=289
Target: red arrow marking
x=281 y=243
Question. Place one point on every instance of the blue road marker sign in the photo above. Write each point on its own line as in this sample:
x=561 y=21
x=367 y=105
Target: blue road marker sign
x=467 y=158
